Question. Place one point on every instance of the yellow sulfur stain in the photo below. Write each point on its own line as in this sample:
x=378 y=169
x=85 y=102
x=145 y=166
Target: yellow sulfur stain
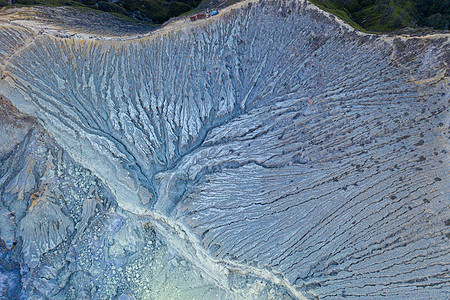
x=38 y=196
x=429 y=80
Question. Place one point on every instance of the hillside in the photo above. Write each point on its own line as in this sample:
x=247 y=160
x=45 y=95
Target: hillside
x=371 y=15
x=388 y=15
x=269 y=152
x=149 y=11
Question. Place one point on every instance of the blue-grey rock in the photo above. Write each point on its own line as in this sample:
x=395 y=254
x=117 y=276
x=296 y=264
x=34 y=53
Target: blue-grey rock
x=269 y=152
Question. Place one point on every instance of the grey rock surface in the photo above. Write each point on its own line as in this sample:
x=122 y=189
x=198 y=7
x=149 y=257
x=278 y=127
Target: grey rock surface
x=271 y=152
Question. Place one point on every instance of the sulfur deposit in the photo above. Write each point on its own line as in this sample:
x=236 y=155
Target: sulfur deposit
x=269 y=152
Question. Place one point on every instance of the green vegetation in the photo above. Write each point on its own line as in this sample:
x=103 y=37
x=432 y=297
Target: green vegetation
x=150 y=11
x=366 y=15
x=388 y=15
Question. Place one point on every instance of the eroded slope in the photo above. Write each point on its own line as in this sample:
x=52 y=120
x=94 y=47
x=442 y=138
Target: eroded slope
x=271 y=140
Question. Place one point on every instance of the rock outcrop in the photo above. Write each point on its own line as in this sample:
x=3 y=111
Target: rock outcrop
x=270 y=152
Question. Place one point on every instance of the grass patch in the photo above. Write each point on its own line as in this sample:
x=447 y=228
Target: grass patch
x=388 y=15
x=339 y=12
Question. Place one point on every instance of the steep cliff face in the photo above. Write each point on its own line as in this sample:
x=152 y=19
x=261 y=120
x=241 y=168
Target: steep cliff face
x=276 y=151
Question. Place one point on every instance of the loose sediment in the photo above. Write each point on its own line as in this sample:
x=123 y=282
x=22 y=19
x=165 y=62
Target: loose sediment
x=272 y=148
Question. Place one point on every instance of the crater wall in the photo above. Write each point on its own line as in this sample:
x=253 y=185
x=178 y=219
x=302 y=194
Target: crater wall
x=283 y=144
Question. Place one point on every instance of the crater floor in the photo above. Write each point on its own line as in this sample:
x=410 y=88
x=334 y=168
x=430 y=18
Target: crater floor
x=269 y=152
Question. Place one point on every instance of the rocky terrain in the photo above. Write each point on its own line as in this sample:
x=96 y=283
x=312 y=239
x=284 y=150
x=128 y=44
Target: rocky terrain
x=270 y=152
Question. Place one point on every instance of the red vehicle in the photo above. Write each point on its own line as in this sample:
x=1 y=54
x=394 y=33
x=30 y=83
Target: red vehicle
x=193 y=18
x=201 y=16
